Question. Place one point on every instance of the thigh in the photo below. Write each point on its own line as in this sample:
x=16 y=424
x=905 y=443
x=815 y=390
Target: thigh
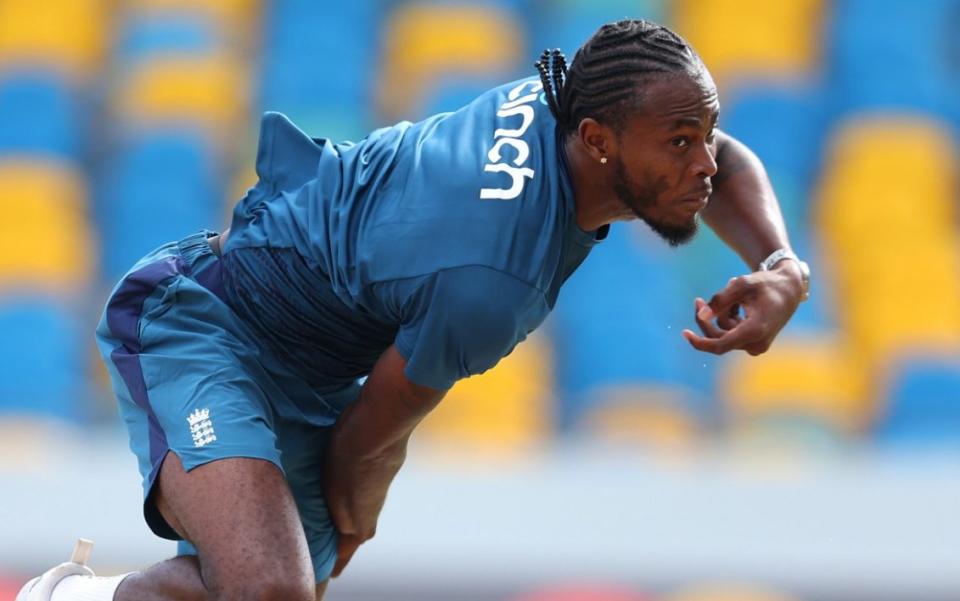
x=240 y=515
x=303 y=454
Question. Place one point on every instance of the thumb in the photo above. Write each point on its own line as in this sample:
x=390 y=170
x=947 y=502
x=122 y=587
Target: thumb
x=732 y=294
x=346 y=547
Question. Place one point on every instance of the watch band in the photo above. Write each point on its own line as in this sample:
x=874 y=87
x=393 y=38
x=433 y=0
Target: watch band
x=779 y=255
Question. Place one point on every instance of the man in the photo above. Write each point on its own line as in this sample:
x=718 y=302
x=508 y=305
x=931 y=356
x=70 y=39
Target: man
x=418 y=256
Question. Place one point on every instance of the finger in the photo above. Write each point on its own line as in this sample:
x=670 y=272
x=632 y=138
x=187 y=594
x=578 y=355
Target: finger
x=346 y=547
x=706 y=325
x=733 y=293
x=730 y=319
x=736 y=338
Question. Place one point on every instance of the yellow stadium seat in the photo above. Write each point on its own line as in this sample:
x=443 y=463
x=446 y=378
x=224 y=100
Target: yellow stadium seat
x=69 y=36
x=887 y=217
x=724 y=592
x=502 y=411
x=652 y=417
x=889 y=175
x=819 y=380
x=45 y=239
x=233 y=15
x=211 y=91
x=753 y=37
x=425 y=41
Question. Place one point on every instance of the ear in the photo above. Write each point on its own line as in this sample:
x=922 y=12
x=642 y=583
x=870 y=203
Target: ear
x=598 y=139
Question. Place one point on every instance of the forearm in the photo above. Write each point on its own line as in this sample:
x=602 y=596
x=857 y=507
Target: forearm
x=360 y=468
x=369 y=443
x=743 y=208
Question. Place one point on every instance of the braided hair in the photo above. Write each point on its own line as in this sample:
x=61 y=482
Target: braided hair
x=606 y=71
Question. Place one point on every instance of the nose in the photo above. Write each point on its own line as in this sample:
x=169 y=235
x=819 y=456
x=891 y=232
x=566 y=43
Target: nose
x=705 y=162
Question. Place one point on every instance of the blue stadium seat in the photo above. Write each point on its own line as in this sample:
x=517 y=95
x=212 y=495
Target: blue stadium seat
x=39 y=114
x=567 y=24
x=894 y=54
x=174 y=33
x=922 y=407
x=159 y=187
x=452 y=93
x=321 y=78
x=785 y=125
x=42 y=370
x=618 y=321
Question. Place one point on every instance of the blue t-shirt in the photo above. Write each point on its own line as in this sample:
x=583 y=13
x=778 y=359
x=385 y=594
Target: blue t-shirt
x=449 y=238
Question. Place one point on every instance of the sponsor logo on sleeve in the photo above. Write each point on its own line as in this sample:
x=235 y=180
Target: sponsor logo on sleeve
x=517 y=105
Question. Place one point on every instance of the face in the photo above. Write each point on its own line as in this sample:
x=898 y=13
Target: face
x=666 y=155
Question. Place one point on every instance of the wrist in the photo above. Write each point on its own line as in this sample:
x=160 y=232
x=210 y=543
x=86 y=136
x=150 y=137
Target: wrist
x=788 y=264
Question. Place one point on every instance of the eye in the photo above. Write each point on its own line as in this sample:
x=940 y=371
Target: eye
x=680 y=141
x=711 y=136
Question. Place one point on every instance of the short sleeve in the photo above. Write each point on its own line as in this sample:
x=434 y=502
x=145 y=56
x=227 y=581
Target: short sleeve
x=461 y=322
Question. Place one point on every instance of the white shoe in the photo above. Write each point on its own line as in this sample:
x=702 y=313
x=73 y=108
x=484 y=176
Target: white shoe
x=41 y=587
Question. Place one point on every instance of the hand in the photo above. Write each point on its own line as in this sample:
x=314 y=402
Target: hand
x=767 y=300
x=347 y=545
x=355 y=493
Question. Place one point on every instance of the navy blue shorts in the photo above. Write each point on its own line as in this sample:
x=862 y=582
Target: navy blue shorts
x=190 y=378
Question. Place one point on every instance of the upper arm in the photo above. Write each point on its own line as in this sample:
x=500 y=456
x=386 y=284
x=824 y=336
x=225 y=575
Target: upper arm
x=463 y=321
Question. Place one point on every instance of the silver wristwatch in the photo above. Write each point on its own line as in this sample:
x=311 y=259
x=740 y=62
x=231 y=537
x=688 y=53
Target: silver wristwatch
x=781 y=254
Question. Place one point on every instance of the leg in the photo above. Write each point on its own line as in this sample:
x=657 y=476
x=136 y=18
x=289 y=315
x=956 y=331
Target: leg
x=240 y=515
x=177 y=578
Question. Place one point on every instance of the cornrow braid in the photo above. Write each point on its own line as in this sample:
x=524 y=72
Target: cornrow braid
x=607 y=70
x=552 y=67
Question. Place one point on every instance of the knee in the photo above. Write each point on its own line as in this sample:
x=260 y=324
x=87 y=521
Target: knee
x=268 y=587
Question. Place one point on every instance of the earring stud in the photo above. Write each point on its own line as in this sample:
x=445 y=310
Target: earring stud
x=603 y=160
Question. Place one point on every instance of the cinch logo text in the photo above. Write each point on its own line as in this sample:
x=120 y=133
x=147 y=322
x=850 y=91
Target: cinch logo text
x=515 y=105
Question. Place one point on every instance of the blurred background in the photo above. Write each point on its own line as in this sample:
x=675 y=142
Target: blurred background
x=604 y=460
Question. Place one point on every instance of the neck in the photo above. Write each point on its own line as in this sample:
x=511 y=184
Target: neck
x=596 y=202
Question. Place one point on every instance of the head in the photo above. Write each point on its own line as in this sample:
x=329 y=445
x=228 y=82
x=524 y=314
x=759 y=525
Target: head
x=640 y=103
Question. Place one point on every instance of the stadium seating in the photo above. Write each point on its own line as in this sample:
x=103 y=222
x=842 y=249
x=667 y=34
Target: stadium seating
x=210 y=92
x=503 y=411
x=894 y=55
x=138 y=102
x=921 y=407
x=40 y=114
x=424 y=41
x=324 y=83
x=618 y=320
x=815 y=380
x=173 y=177
x=66 y=36
x=45 y=240
x=655 y=418
x=567 y=24
x=752 y=39
x=887 y=216
x=146 y=35
x=237 y=19
x=41 y=353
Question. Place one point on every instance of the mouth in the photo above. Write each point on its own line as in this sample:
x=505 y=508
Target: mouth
x=696 y=201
